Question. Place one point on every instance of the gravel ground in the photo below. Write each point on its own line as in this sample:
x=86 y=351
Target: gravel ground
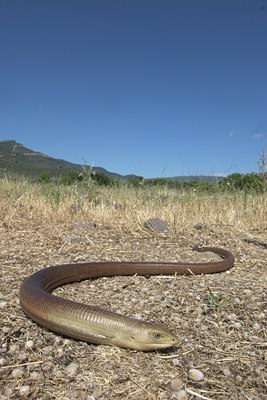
x=220 y=319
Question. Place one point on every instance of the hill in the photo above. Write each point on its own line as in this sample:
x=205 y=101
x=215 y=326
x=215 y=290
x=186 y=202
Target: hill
x=19 y=160
x=16 y=159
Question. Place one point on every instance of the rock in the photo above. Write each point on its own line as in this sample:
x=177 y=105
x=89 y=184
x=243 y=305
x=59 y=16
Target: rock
x=17 y=373
x=24 y=390
x=199 y=227
x=75 y=240
x=196 y=375
x=71 y=369
x=156 y=225
x=85 y=226
x=176 y=384
x=182 y=395
x=29 y=344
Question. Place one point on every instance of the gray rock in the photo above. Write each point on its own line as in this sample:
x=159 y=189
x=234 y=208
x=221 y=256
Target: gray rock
x=156 y=225
x=199 y=227
x=75 y=240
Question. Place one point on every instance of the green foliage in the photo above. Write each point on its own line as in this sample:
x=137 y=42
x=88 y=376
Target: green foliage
x=44 y=177
x=249 y=182
x=254 y=182
x=103 y=179
x=137 y=181
x=87 y=177
x=71 y=178
x=213 y=299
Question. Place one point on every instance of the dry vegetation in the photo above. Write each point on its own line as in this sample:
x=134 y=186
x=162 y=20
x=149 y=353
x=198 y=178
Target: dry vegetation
x=220 y=319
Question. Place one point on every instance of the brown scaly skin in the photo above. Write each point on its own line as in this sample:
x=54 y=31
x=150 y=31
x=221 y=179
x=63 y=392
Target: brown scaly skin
x=94 y=324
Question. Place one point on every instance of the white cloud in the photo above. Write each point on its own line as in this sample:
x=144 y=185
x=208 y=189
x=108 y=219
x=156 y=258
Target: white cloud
x=259 y=135
x=231 y=133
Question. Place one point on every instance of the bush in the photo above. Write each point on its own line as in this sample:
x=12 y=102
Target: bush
x=252 y=181
x=44 y=177
x=71 y=178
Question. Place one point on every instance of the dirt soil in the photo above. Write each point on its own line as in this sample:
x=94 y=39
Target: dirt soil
x=220 y=319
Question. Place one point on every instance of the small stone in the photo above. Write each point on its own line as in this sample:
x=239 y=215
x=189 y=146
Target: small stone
x=71 y=369
x=181 y=395
x=2 y=362
x=13 y=348
x=47 y=350
x=226 y=371
x=237 y=325
x=260 y=316
x=29 y=344
x=75 y=240
x=156 y=225
x=256 y=326
x=196 y=375
x=3 y=303
x=176 y=384
x=60 y=351
x=24 y=390
x=17 y=373
x=175 y=362
x=97 y=393
x=35 y=375
x=236 y=301
x=199 y=227
x=8 y=391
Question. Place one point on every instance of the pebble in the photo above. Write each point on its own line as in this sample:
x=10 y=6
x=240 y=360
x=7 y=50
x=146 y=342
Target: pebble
x=199 y=227
x=8 y=391
x=97 y=393
x=13 y=348
x=2 y=361
x=47 y=350
x=24 y=390
x=236 y=301
x=226 y=371
x=29 y=344
x=176 y=384
x=261 y=316
x=231 y=317
x=196 y=375
x=71 y=369
x=3 y=303
x=60 y=352
x=256 y=326
x=237 y=325
x=175 y=362
x=17 y=373
x=35 y=375
x=181 y=395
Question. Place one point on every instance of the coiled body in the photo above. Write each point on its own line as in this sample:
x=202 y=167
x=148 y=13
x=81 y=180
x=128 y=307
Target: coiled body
x=94 y=324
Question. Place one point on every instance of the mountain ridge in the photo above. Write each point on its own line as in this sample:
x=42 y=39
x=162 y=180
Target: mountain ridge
x=17 y=159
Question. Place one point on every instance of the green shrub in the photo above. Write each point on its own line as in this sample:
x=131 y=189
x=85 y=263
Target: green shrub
x=254 y=182
x=44 y=177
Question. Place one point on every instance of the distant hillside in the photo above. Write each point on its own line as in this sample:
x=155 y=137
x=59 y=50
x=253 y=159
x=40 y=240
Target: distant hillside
x=195 y=178
x=15 y=159
x=19 y=160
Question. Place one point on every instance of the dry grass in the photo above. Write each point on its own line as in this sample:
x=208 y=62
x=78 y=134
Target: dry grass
x=220 y=319
x=129 y=207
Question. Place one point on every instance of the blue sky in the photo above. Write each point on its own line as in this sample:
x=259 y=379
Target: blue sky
x=149 y=87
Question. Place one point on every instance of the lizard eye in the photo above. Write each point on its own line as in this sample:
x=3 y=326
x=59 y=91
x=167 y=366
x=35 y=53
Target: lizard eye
x=157 y=335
